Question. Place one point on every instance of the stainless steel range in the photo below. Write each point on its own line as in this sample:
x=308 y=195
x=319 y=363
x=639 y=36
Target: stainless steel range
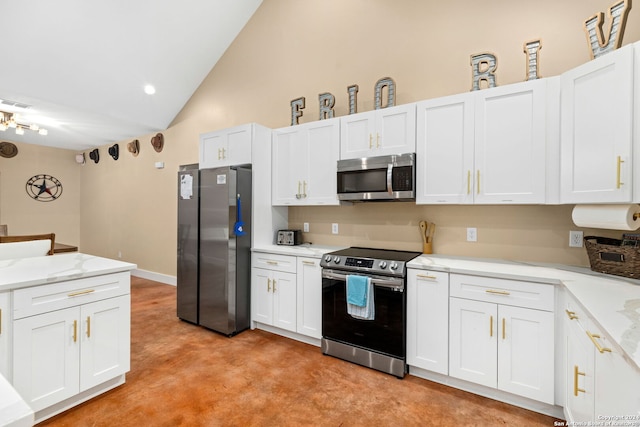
x=377 y=341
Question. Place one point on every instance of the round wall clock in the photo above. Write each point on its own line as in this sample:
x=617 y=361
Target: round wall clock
x=44 y=188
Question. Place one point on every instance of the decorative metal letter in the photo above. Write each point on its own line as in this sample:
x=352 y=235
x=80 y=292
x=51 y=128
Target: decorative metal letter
x=327 y=101
x=297 y=105
x=531 y=49
x=353 y=98
x=593 y=27
x=391 y=95
x=489 y=63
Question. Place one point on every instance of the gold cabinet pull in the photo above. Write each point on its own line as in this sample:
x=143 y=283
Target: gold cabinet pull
x=425 y=276
x=572 y=314
x=370 y=141
x=596 y=343
x=504 y=328
x=490 y=326
x=272 y=262
x=75 y=331
x=377 y=140
x=576 y=372
x=478 y=181
x=308 y=262
x=469 y=182
x=497 y=292
x=88 y=326
x=223 y=153
x=86 y=291
x=299 y=194
x=274 y=285
x=618 y=182
x=268 y=285
x=304 y=189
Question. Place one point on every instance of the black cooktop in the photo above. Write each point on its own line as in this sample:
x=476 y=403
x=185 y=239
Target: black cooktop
x=381 y=254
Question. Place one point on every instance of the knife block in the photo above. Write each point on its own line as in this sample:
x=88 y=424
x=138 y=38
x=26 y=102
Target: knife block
x=427 y=248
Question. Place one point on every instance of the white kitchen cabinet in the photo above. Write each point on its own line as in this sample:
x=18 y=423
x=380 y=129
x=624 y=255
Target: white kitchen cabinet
x=380 y=132
x=596 y=372
x=427 y=319
x=273 y=290
x=502 y=335
x=304 y=164
x=226 y=147
x=597 y=110
x=309 y=294
x=5 y=335
x=488 y=146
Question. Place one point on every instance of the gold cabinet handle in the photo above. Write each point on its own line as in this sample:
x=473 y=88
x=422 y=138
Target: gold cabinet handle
x=304 y=189
x=268 y=285
x=272 y=262
x=596 y=343
x=377 y=140
x=425 y=276
x=274 y=285
x=88 y=326
x=308 y=262
x=469 y=182
x=571 y=314
x=75 y=331
x=370 y=141
x=223 y=153
x=478 y=181
x=75 y=294
x=618 y=182
x=576 y=372
x=298 y=195
x=497 y=292
x=504 y=328
x=490 y=326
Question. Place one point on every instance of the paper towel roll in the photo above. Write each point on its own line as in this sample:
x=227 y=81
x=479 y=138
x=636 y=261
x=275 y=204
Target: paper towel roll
x=613 y=217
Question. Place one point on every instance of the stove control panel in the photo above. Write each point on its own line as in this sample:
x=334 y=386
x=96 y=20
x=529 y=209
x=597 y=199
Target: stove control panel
x=362 y=264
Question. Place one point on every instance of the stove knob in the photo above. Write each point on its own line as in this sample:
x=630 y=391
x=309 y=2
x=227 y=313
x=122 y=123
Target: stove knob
x=327 y=258
x=336 y=259
x=394 y=266
x=383 y=264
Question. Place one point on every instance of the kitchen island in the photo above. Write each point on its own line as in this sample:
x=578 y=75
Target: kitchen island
x=65 y=334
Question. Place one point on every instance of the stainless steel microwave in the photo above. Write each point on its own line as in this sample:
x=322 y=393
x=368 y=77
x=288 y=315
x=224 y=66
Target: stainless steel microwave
x=377 y=178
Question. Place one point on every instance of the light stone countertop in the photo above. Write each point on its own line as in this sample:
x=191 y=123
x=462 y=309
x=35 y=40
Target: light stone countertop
x=14 y=412
x=612 y=301
x=305 y=249
x=25 y=272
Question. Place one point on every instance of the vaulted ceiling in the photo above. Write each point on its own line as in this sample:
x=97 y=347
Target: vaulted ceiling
x=82 y=66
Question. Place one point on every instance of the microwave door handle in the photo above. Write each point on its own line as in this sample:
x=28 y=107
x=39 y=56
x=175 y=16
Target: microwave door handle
x=389 y=175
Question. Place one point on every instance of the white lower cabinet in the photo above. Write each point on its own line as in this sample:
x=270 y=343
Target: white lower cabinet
x=502 y=335
x=286 y=293
x=70 y=337
x=5 y=337
x=600 y=383
x=427 y=318
x=309 y=279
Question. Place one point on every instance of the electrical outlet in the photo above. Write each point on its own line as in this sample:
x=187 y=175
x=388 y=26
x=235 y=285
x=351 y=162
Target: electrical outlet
x=305 y=227
x=334 y=228
x=575 y=239
x=472 y=234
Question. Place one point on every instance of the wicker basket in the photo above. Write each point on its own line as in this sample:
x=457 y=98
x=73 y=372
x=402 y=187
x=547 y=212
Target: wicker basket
x=609 y=256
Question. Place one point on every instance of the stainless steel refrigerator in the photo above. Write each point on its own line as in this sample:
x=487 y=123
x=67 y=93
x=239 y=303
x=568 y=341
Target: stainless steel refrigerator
x=214 y=247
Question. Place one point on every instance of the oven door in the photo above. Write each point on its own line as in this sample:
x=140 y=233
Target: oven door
x=384 y=334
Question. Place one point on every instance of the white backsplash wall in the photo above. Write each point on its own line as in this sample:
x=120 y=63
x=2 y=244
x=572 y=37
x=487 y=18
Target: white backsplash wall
x=537 y=233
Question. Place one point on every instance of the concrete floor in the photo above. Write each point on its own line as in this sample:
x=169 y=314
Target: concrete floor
x=185 y=375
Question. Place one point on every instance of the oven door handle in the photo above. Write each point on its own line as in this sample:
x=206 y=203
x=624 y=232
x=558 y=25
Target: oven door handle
x=395 y=283
x=389 y=178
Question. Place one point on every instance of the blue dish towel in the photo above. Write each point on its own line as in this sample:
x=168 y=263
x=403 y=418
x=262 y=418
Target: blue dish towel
x=360 y=304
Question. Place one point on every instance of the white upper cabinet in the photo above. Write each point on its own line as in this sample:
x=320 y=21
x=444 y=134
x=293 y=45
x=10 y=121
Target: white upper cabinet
x=304 y=164
x=381 y=132
x=226 y=147
x=597 y=130
x=490 y=146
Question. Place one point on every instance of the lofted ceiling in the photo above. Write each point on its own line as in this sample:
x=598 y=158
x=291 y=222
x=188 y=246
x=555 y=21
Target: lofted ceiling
x=81 y=66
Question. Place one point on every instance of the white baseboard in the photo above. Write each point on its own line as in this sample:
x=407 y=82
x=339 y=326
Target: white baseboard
x=156 y=277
